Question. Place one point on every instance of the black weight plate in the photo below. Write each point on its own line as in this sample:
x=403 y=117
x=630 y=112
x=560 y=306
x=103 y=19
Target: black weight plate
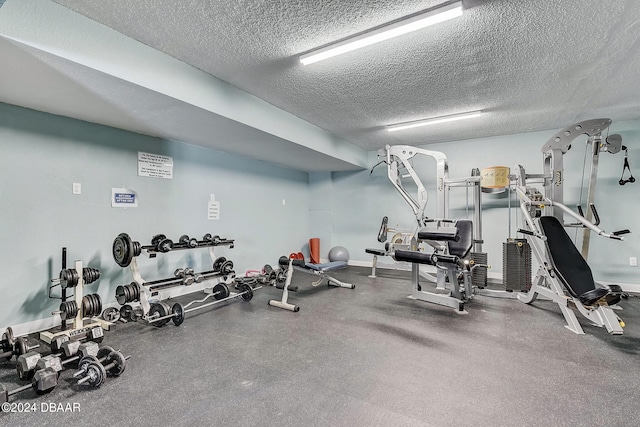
x=98 y=374
x=158 y=310
x=125 y=312
x=103 y=352
x=218 y=263
x=121 y=296
x=85 y=360
x=86 y=306
x=246 y=291
x=119 y=363
x=8 y=335
x=281 y=277
x=192 y=243
x=178 y=314
x=92 y=303
x=206 y=237
x=183 y=239
x=122 y=250
x=136 y=293
x=165 y=245
x=226 y=267
x=111 y=314
x=221 y=291
x=21 y=346
x=157 y=239
x=98 y=305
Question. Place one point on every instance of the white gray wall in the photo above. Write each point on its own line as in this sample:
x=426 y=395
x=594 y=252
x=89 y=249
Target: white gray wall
x=361 y=200
x=42 y=155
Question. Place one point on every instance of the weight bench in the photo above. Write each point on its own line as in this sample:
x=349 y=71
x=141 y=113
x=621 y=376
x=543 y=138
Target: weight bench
x=458 y=240
x=566 y=268
x=319 y=270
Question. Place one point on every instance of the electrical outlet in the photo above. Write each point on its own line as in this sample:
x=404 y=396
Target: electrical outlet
x=633 y=261
x=77 y=188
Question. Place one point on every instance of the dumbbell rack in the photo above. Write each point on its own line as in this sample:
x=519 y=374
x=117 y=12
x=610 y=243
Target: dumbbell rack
x=150 y=293
x=81 y=325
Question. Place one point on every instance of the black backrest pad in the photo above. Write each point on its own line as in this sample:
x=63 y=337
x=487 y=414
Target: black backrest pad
x=570 y=267
x=465 y=231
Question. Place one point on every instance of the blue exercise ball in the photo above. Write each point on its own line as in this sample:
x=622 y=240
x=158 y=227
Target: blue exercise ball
x=338 y=253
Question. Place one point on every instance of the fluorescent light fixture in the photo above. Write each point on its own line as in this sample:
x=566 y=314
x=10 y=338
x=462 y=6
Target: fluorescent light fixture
x=434 y=121
x=416 y=22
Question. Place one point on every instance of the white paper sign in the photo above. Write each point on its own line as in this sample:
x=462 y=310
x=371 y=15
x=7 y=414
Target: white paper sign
x=213 y=211
x=124 y=198
x=155 y=165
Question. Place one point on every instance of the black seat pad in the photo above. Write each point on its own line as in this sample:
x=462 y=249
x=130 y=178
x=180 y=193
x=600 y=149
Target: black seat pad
x=374 y=251
x=461 y=247
x=571 y=268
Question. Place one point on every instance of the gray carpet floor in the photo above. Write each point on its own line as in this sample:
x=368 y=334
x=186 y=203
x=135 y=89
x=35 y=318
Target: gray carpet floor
x=363 y=357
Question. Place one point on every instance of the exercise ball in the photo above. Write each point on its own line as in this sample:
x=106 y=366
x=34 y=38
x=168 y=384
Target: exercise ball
x=338 y=253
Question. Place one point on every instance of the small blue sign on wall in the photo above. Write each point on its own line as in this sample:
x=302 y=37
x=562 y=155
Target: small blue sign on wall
x=124 y=198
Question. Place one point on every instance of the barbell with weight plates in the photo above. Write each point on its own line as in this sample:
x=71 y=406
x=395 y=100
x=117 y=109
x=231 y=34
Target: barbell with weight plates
x=130 y=314
x=124 y=249
x=159 y=312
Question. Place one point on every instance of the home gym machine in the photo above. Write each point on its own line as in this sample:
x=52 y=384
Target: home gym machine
x=457 y=248
x=563 y=274
x=144 y=300
x=79 y=313
x=399 y=240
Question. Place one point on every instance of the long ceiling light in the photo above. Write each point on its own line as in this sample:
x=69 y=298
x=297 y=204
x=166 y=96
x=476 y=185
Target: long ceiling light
x=434 y=121
x=416 y=22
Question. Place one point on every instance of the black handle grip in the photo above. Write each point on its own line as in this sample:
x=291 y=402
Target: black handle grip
x=284 y=261
x=580 y=210
x=621 y=232
x=382 y=234
x=596 y=217
x=523 y=231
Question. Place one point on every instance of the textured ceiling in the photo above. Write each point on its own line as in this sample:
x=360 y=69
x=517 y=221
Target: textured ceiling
x=529 y=65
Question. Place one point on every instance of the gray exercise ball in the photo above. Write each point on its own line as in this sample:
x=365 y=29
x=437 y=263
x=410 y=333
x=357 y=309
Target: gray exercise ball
x=338 y=253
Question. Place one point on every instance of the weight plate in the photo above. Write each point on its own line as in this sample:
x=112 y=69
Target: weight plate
x=85 y=360
x=119 y=363
x=218 y=263
x=165 y=246
x=247 y=291
x=136 y=314
x=267 y=269
x=121 y=296
x=281 y=277
x=96 y=373
x=193 y=243
x=125 y=312
x=68 y=278
x=111 y=314
x=178 y=314
x=157 y=239
x=184 y=239
x=158 y=310
x=21 y=347
x=220 y=291
x=122 y=250
x=226 y=267
x=103 y=352
x=91 y=306
x=272 y=276
x=137 y=291
x=8 y=335
x=98 y=305
x=206 y=237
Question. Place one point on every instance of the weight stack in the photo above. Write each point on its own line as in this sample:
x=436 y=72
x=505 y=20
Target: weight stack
x=516 y=265
x=479 y=274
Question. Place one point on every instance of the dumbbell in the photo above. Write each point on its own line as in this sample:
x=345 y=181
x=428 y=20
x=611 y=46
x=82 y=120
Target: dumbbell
x=44 y=381
x=160 y=313
x=32 y=361
x=94 y=334
x=124 y=249
x=129 y=313
x=186 y=242
x=13 y=346
x=187 y=275
x=96 y=368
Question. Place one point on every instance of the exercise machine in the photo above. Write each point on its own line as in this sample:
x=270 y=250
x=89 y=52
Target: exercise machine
x=143 y=300
x=399 y=240
x=321 y=271
x=563 y=274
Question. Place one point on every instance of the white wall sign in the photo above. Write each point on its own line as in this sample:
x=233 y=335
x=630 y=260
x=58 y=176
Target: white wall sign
x=124 y=198
x=213 y=210
x=155 y=165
